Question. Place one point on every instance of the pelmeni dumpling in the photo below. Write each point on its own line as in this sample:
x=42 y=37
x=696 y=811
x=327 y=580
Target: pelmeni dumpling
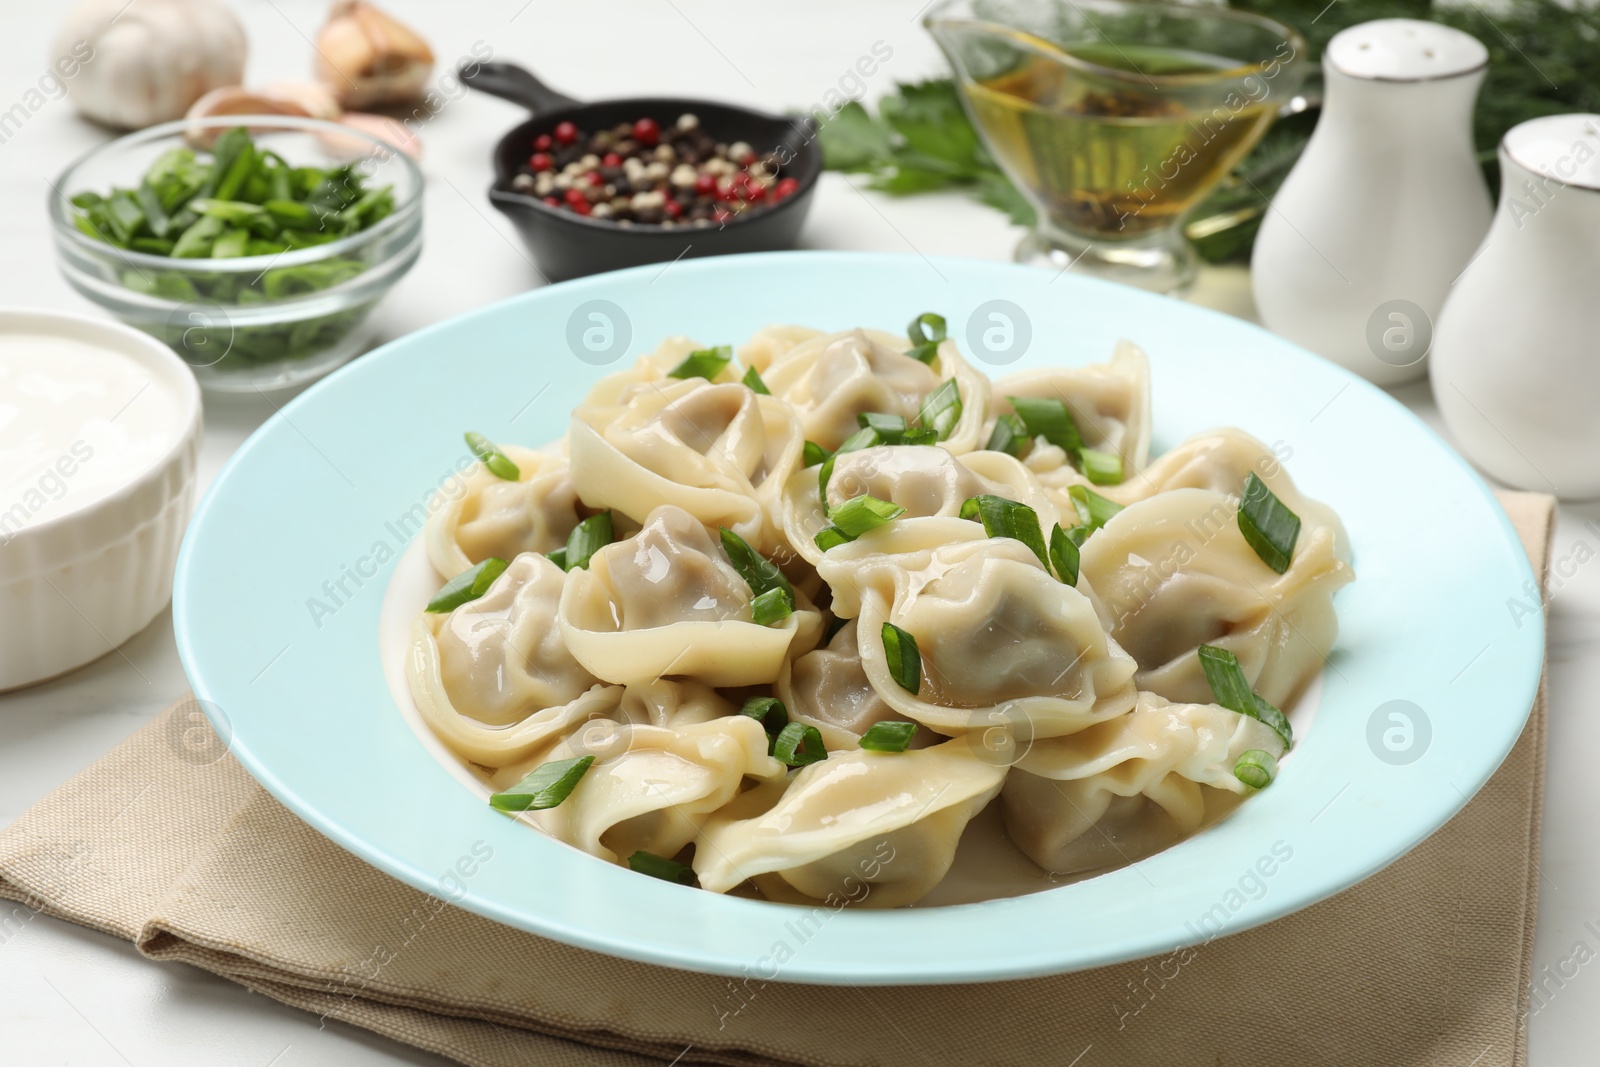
x=1002 y=641
x=652 y=367
x=1175 y=573
x=884 y=822
x=651 y=788
x=1160 y=751
x=827 y=688
x=924 y=479
x=829 y=380
x=1109 y=401
x=667 y=603
x=770 y=343
x=493 y=678
x=495 y=517
x=719 y=452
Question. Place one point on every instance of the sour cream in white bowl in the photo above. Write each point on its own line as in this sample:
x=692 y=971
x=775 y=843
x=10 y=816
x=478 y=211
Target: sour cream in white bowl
x=99 y=437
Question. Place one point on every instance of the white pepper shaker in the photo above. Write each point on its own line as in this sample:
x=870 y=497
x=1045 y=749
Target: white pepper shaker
x=1514 y=367
x=1385 y=206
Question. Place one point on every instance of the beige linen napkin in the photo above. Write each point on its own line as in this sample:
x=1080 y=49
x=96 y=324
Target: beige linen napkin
x=174 y=847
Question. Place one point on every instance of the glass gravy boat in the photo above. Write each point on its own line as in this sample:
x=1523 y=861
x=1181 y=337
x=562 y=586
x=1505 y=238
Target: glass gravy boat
x=1115 y=118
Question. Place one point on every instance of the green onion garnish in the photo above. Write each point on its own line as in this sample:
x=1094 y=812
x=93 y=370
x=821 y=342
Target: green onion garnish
x=812 y=454
x=920 y=435
x=942 y=409
x=859 y=514
x=659 y=867
x=905 y=662
x=558 y=556
x=770 y=607
x=705 y=363
x=925 y=333
x=1094 y=510
x=1007 y=518
x=890 y=428
x=548 y=785
x=1256 y=768
x=1049 y=418
x=587 y=538
x=769 y=712
x=798 y=744
x=1269 y=526
x=1101 y=468
x=866 y=437
x=759 y=572
x=1232 y=690
x=752 y=381
x=1010 y=435
x=498 y=463
x=1064 y=555
x=467 y=586
x=888 y=736
x=831 y=537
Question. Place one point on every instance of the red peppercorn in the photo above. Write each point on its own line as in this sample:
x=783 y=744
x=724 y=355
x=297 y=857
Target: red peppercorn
x=566 y=133
x=705 y=184
x=541 y=161
x=594 y=177
x=611 y=159
x=647 y=132
x=672 y=209
x=542 y=143
x=582 y=207
x=576 y=197
x=721 y=216
x=756 y=193
x=785 y=187
x=552 y=201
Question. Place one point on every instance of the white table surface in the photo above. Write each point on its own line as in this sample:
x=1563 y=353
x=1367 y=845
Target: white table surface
x=68 y=996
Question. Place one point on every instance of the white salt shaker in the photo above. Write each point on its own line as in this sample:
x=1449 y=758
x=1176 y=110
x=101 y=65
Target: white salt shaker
x=1385 y=206
x=1514 y=354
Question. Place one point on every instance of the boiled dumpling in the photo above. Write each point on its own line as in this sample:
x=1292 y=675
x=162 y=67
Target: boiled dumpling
x=830 y=380
x=1175 y=573
x=494 y=679
x=495 y=517
x=770 y=343
x=827 y=688
x=651 y=368
x=666 y=602
x=876 y=828
x=1003 y=643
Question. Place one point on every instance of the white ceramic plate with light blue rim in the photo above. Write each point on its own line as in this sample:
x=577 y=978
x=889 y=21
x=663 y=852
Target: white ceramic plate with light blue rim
x=1428 y=687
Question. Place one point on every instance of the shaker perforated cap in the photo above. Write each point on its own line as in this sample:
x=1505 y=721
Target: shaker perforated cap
x=1563 y=147
x=1405 y=50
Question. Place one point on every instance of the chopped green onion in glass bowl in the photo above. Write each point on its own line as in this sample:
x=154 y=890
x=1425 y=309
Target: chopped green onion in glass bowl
x=255 y=246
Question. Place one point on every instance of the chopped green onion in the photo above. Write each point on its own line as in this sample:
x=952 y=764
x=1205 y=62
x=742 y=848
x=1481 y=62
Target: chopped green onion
x=888 y=736
x=890 y=428
x=1268 y=524
x=498 y=462
x=925 y=333
x=752 y=381
x=798 y=744
x=812 y=454
x=1101 y=468
x=866 y=437
x=705 y=363
x=1232 y=690
x=1049 y=418
x=942 y=409
x=558 y=556
x=905 y=662
x=548 y=785
x=467 y=586
x=1010 y=435
x=831 y=537
x=769 y=712
x=1007 y=518
x=659 y=867
x=859 y=514
x=587 y=538
x=920 y=435
x=1094 y=510
x=1064 y=555
x=1256 y=768
x=773 y=606
x=759 y=572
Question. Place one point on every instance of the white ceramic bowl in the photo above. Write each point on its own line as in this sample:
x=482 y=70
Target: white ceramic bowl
x=91 y=515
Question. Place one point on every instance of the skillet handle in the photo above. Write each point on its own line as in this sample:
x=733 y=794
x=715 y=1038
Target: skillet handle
x=511 y=82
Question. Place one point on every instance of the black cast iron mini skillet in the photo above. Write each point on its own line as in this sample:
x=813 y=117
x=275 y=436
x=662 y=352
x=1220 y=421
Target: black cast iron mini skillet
x=567 y=245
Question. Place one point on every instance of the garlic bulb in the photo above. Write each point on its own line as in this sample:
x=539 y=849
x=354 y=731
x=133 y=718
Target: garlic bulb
x=367 y=58
x=152 y=59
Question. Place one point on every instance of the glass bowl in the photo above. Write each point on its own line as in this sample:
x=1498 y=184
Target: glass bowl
x=249 y=322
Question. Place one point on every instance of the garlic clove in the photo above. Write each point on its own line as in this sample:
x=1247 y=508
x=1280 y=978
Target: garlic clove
x=316 y=99
x=383 y=127
x=368 y=58
x=233 y=100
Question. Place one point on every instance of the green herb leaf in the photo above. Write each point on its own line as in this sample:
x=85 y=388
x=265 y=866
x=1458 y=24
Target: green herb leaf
x=1268 y=524
x=888 y=736
x=1010 y=435
x=831 y=537
x=752 y=381
x=498 y=463
x=1008 y=518
x=891 y=429
x=467 y=586
x=547 y=786
x=1064 y=555
x=853 y=141
x=659 y=867
x=925 y=333
x=1094 y=510
x=558 y=556
x=1232 y=691
x=942 y=409
x=773 y=606
x=759 y=573
x=1256 y=768
x=1049 y=418
x=866 y=437
x=859 y=514
x=1101 y=468
x=812 y=454
x=798 y=745
x=769 y=712
x=704 y=363
x=905 y=661
x=587 y=538
x=920 y=435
